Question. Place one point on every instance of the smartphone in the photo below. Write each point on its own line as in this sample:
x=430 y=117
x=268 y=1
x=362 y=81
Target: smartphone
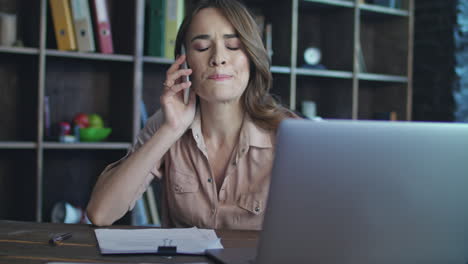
x=185 y=78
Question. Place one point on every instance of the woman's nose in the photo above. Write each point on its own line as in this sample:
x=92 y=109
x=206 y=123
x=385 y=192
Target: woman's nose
x=217 y=58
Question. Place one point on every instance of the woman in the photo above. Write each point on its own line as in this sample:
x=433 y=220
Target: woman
x=214 y=156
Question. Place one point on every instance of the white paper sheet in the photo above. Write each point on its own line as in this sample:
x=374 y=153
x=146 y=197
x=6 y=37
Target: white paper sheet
x=135 y=241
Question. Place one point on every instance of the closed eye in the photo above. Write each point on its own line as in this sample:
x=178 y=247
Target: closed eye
x=229 y=48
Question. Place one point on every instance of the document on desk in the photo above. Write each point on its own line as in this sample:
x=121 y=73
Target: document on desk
x=139 y=241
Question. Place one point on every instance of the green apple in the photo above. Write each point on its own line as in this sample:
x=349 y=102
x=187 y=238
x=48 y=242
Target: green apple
x=95 y=121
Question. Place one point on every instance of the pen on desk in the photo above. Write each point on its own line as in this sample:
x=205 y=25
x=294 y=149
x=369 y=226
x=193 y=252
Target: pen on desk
x=58 y=238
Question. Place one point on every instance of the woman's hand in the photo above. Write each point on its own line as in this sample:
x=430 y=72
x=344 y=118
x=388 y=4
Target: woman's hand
x=177 y=115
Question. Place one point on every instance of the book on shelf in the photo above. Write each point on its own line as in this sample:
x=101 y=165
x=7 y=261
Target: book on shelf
x=175 y=10
x=102 y=26
x=83 y=25
x=154 y=45
x=63 y=24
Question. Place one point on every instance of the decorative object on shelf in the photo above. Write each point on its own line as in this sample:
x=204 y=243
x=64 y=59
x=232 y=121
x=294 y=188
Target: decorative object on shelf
x=63 y=24
x=309 y=109
x=65 y=135
x=312 y=55
x=312 y=58
x=389 y=116
x=7 y=29
x=94 y=134
x=64 y=212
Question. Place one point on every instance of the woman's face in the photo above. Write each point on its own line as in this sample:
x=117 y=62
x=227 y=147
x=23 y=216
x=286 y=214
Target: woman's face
x=217 y=58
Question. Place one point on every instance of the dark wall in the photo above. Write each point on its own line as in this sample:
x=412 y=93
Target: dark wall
x=461 y=58
x=434 y=60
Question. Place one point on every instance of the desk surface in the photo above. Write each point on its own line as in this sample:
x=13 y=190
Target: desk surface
x=27 y=242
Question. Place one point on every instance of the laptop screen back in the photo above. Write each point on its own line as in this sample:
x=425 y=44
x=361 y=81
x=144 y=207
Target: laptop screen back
x=368 y=192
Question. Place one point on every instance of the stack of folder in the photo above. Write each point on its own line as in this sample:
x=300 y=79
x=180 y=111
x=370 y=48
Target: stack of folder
x=164 y=18
x=73 y=25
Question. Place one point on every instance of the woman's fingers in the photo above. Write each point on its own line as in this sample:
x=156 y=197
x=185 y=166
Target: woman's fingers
x=176 y=65
x=174 y=89
x=172 y=78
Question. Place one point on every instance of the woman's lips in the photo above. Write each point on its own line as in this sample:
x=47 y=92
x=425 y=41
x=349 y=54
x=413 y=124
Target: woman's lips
x=219 y=77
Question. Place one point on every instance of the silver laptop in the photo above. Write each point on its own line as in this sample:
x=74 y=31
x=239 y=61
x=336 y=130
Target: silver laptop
x=367 y=192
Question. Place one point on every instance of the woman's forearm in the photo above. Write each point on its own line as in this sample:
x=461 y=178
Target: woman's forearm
x=116 y=189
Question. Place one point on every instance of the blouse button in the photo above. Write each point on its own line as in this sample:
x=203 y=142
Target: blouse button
x=257 y=209
x=210 y=180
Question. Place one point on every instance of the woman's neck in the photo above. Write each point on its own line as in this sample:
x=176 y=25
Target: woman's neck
x=221 y=122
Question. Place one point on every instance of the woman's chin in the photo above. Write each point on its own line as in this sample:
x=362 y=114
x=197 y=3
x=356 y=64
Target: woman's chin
x=221 y=98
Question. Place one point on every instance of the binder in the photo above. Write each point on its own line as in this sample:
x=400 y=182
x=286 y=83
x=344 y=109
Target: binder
x=102 y=26
x=83 y=26
x=155 y=28
x=63 y=24
x=173 y=18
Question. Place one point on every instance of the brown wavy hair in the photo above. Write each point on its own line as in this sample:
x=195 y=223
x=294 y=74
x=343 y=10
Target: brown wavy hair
x=262 y=108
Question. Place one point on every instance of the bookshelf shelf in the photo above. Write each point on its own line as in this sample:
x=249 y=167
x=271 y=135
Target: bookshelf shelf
x=115 y=85
x=91 y=146
x=382 y=78
x=18 y=50
x=17 y=145
x=280 y=69
x=340 y=3
x=384 y=10
x=325 y=73
x=89 y=56
x=157 y=60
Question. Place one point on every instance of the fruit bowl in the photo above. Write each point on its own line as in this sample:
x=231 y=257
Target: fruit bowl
x=93 y=134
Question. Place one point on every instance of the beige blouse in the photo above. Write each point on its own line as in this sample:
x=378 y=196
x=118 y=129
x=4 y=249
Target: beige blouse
x=190 y=196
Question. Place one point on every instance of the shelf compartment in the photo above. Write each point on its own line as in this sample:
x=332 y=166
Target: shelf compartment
x=27 y=22
x=380 y=99
x=89 y=56
x=87 y=145
x=17 y=145
x=279 y=15
x=74 y=86
x=122 y=18
x=330 y=31
x=333 y=97
x=324 y=73
x=153 y=77
x=18 y=100
x=17 y=184
x=71 y=175
x=384 y=53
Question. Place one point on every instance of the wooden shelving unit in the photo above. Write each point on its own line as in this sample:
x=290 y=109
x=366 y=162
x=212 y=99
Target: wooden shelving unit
x=114 y=85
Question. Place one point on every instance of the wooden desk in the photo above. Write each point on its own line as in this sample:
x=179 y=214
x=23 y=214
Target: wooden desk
x=27 y=242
